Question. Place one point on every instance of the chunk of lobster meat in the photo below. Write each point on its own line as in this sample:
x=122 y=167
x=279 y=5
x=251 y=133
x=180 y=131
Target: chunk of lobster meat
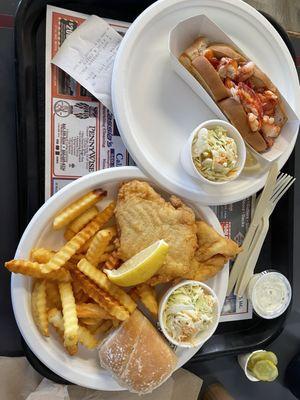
x=269 y=128
x=229 y=83
x=269 y=101
x=253 y=122
x=209 y=54
x=245 y=71
x=250 y=101
x=228 y=68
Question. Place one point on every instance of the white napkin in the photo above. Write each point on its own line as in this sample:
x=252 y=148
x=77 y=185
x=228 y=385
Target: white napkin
x=19 y=381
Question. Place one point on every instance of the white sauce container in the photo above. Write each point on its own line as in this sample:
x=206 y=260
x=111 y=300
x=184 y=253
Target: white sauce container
x=270 y=293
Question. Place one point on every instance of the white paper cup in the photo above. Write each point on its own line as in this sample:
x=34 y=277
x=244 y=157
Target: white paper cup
x=204 y=336
x=251 y=294
x=243 y=360
x=186 y=152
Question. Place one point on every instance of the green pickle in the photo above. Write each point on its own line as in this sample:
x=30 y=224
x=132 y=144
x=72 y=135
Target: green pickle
x=263 y=365
x=262 y=355
x=265 y=370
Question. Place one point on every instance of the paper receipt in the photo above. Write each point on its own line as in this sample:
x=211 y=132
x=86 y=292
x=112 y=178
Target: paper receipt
x=88 y=55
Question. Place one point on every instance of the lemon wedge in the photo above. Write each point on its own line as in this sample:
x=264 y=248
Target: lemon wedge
x=141 y=266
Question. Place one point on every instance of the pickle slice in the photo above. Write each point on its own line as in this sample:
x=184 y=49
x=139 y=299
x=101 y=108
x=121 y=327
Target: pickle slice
x=265 y=370
x=262 y=355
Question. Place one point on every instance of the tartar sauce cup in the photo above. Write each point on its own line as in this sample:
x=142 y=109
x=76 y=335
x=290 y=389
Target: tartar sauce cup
x=186 y=156
x=204 y=335
x=270 y=293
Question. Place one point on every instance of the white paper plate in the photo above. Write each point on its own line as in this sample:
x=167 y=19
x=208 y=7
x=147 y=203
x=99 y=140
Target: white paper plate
x=82 y=369
x=156 y=111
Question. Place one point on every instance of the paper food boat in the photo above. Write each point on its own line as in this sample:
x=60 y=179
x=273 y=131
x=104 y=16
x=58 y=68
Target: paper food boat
x=181 y=37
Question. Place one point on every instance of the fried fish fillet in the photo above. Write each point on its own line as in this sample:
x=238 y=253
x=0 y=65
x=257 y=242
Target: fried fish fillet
x=212 y=254
x=211 y=243
x=144 y=217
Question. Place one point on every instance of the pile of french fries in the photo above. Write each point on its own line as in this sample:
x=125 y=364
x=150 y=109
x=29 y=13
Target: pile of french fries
x=71 y=292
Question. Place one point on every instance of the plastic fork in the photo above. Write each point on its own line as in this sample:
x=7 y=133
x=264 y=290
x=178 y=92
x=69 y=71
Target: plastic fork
x=284 y=182
x=271 y=184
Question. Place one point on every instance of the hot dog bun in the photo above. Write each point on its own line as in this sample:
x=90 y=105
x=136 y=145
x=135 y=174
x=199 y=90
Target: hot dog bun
x=260 y=80
x=205 y=74
x=196 y=49
x=235 y=113
x=222 y=50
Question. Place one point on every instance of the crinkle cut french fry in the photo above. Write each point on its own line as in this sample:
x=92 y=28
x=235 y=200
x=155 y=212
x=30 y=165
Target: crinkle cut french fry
x=91 y=321
x=133 y=294
x=104 y=283
x=113 y=261
x=69 y=314
x=76 y=258
x=80 y=222
x=68 y=235
x=71 y=247
x=86 y=338
x=41 y=255
x=53 y=296
x=39 y=307
x=37 y=270
x=93 y=328
x=148 y=297
x=91 y=310
x=104 y=327
x=55 y=318
x=100 y=296
x=102 y=259
x=79 y=295
x=76 y=208
x=99 y=244
x=84 y=248
x=105 y=215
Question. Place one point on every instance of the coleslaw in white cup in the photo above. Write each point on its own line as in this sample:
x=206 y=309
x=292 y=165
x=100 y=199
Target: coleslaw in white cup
x=211 y=141
x=189 y=313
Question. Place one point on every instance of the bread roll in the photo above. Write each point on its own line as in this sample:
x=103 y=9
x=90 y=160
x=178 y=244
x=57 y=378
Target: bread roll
x=137 y=355
x=235 y=113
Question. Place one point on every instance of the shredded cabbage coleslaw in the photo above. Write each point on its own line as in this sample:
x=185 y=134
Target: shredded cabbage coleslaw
x=215 y=154
x=188 y=312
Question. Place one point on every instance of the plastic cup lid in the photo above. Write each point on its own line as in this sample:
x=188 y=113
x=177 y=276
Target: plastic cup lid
x=271 y=294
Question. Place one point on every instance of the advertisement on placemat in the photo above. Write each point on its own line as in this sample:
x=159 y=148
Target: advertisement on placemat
x=81 y=135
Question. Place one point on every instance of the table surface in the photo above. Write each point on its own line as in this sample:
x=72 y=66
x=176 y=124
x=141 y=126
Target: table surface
x=225 y=370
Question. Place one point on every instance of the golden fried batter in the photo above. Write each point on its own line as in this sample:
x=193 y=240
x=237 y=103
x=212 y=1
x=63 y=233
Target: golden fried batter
x=144 y=217
x=213 y=253
x=212 y=244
